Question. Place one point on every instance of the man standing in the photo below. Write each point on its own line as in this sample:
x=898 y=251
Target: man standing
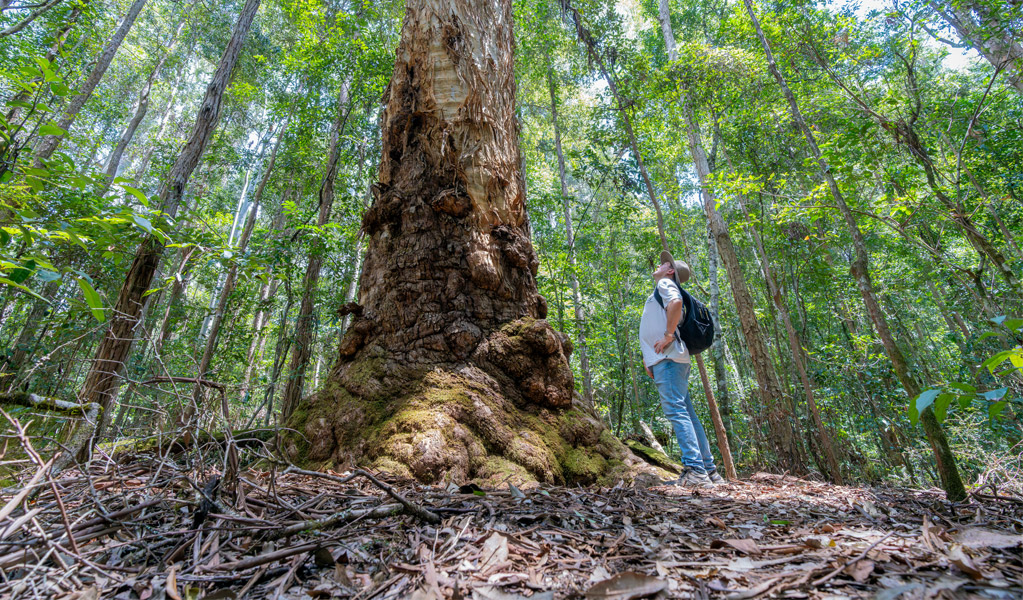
x=666 y=359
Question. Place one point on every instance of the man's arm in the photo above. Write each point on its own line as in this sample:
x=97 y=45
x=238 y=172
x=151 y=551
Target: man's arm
x=674 y=312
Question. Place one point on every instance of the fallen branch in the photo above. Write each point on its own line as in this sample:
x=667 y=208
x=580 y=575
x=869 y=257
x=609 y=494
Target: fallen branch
x=852 y=562
x=413 y=509
x=49 y=404
x=379 y=512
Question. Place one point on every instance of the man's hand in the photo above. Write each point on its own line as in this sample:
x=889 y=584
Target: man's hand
x=663 y=343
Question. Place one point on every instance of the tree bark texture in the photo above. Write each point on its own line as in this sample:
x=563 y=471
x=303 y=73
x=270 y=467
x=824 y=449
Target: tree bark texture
x=997 y=43
x=105 y=373
x=48 y=145
x=949 y=472
x=449 y=370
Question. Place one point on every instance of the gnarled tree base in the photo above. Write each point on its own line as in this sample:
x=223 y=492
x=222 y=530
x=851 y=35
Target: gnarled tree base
x=507 y=414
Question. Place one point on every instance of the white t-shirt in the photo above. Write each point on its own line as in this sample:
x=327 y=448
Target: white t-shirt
x=654 y=323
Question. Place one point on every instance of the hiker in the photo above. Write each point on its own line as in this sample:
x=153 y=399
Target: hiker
x=667 y=359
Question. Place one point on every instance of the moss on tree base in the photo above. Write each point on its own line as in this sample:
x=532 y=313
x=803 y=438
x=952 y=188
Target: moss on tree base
x=472 y=421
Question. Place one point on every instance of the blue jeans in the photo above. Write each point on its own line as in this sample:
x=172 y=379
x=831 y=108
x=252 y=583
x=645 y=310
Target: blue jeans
x=672 y=381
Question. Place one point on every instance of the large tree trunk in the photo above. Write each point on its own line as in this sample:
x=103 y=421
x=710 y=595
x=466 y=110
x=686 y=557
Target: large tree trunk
x=104 y=375
x=949 y=472
x=49 y=144
x=448 y=370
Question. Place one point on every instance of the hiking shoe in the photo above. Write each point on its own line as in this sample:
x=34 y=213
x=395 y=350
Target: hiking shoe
x=694 y=479
x=716 y=477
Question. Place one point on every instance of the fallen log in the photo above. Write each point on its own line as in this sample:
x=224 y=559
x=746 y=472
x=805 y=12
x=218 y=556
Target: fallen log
x=89 y=413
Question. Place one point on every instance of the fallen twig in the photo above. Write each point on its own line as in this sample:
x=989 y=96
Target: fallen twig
x=413 y=508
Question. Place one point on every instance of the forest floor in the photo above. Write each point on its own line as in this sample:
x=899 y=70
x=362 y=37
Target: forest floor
x=143 y=529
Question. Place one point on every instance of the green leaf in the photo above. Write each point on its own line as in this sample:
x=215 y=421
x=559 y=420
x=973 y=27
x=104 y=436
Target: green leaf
x=137 y=193
x=963 y=387
x=143 y=223
x=4 y=237
x=918 y=404
x=92 y=299
x=998 y=320
x=28 y=291
x=941 y=405
x=965 y=402
x=50 y=129
x=60 y=89
x=988 y=334
x=20 y=274
x=997 y=359
x=47 y=276
x=1013 y=324
x=995 y=409
x=995 y=394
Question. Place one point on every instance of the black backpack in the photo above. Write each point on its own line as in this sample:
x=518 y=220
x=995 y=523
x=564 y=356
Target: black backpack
x=696 y=327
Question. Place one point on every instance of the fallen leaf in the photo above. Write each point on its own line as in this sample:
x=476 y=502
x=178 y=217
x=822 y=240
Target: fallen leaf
x=172 y=584
x=494 y=552
x=627 y=586
x=515 y=492
x=716 y=522
x=958 y=558
x=860 y=570
x=742 y=545
x=492 y=592
x=323 y=558
x=741 y=565
x=977 y=537
x=599 y=574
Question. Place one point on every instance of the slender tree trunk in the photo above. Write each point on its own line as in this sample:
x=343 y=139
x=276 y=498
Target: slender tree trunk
x=102 y=380
x=718 y=349
x=305 y=324
x=28 y=340
x=232 y=275
x=48 y=145
x=577 y=301
x=591 y=48
x=794 y=342
x=22 y=24
x=977 y=27
x=147 y=155
x=141 y=108
x=266 y=292
x=950 y=479
x=785 y=442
